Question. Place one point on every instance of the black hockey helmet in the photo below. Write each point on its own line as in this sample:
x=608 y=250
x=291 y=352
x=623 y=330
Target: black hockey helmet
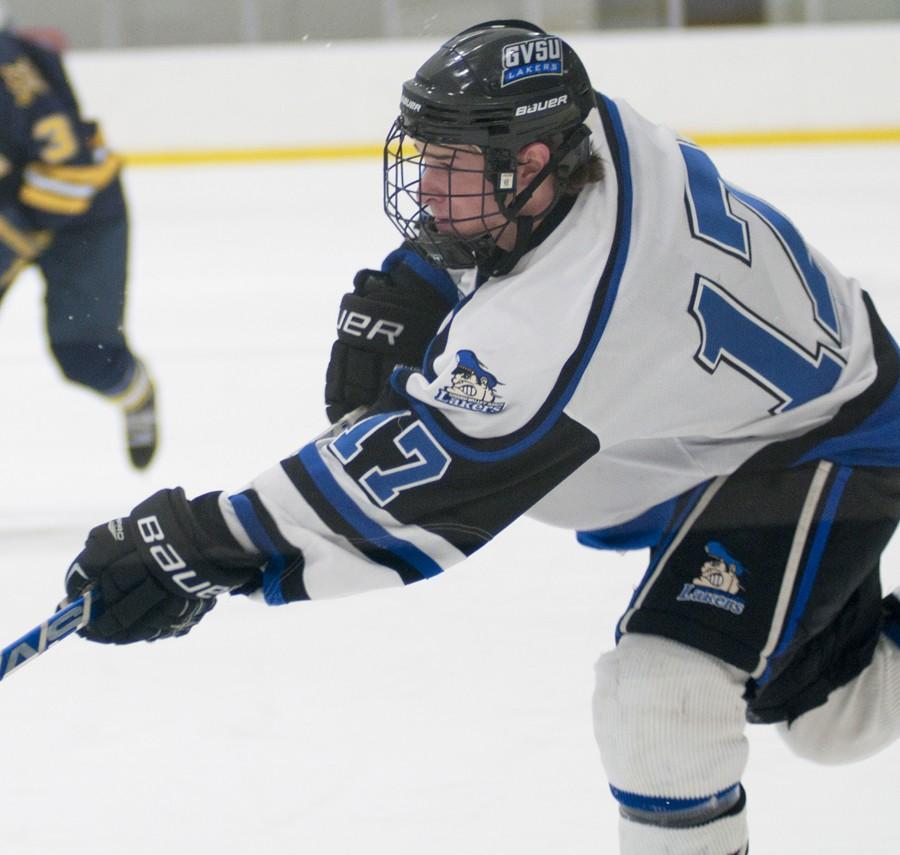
x=498 y=86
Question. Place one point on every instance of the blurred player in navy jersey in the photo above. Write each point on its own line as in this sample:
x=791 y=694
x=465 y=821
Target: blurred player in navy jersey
x=62 y=210
x=588 y=324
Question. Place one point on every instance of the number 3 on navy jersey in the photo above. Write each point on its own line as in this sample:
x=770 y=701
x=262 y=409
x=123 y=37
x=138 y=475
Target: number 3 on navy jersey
x=730 y=331
x=427 y=459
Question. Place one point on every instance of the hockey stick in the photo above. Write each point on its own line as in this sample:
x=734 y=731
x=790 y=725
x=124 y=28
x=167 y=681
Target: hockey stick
x=67 y=620
x=81 y=611
x=344 y=422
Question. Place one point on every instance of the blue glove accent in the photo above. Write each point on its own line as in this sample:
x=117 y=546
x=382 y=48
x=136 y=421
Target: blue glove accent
x=434 y=276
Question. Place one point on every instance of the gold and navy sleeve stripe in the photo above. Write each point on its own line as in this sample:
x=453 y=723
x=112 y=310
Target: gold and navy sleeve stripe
x=68 y=189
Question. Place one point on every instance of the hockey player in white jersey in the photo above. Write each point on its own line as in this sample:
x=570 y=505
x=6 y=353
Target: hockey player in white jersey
x=595 y=328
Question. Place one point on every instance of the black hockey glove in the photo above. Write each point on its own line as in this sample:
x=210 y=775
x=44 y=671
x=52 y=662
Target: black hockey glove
x=388 y=320
x=157 y=571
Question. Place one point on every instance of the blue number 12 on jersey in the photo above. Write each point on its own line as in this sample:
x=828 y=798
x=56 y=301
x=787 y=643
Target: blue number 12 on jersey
x=730 y=332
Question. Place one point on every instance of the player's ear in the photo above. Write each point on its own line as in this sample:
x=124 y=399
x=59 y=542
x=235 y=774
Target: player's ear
x=532 y=159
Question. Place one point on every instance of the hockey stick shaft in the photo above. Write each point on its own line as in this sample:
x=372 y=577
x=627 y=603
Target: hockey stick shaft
x=67 y=620
x=344 y=422
x=81 y=611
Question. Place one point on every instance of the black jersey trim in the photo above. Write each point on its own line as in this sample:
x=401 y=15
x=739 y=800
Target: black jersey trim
x=339 y=513
x=817 y=443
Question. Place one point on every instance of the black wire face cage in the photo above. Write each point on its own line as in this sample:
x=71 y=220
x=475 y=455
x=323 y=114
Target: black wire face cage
x=462 y=234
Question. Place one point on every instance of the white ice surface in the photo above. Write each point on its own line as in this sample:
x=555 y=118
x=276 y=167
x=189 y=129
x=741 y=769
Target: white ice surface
x=451 y=717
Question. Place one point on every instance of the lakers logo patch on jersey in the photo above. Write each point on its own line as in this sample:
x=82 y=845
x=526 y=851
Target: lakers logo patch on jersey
x=472 y=386
x=718 y=582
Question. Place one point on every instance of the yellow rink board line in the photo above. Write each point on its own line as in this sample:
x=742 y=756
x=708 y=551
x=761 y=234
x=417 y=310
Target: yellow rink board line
x=818 y=136
x=252 y=155
x=188 y=157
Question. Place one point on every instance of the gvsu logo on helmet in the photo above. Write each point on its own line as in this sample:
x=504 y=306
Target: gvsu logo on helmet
x=471 y=386
x=533 y=58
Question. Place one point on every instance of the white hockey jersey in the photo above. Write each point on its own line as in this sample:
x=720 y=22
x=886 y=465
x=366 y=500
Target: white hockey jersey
x=665 y=328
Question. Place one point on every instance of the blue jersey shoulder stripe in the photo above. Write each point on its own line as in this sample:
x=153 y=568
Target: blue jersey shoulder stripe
x=506 y=447
x=437 y=345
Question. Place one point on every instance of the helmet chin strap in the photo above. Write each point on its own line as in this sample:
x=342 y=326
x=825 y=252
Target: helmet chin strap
x=501 y=262
x=482 y=251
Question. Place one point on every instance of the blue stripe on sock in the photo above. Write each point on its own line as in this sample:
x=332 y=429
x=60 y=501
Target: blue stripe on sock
x=662 y=804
